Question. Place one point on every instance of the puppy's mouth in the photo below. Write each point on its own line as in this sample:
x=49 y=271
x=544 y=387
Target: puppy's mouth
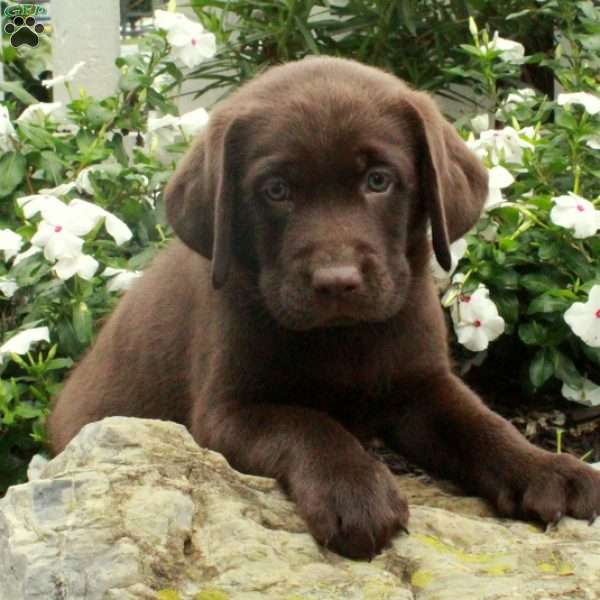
x=340 y=322
x=339 y=313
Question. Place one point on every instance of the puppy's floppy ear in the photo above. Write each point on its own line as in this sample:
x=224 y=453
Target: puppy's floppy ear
x=201 y=194
x=453 y=182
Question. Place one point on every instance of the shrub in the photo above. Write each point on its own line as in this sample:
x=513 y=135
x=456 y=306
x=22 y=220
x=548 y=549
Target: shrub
x=535 y=248
x=80 y=217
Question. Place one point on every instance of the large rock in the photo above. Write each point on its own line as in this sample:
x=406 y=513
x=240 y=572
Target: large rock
x=133 y=509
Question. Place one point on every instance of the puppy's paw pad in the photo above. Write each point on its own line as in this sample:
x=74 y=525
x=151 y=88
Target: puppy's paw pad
x=558 y=486
x=354 y=515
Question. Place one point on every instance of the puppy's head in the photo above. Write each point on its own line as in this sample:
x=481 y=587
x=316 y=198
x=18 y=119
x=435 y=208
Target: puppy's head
x=321 y=177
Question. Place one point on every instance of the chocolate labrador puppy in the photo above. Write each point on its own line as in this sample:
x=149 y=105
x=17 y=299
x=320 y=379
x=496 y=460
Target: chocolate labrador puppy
x=296 y=317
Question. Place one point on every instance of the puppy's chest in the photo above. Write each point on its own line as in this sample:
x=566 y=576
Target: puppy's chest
x=341 y=367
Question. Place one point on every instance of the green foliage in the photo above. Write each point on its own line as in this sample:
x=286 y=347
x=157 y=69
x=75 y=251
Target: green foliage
x=419 y=41
x=534 y=267
x=97 y=150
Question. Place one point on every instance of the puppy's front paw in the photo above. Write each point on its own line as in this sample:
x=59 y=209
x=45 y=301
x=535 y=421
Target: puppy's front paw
x=355 y=509
x=554 y=486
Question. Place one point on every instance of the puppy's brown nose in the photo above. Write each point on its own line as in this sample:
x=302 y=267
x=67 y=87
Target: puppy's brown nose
x=337 y=281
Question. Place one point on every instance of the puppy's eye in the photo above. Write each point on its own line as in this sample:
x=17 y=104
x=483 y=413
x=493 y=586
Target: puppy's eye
x=378 y=181
x=276 y=190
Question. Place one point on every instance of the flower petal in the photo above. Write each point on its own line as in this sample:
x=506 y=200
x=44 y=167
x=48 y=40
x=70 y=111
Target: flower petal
x=117 y=229
x=20 y=343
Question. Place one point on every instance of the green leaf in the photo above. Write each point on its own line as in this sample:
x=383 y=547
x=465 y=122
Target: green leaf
x=533 y=333
x=538 y=283
x=18 y=91
x=549 y=250
x=13 y=167
x=407 y=14
x=590 y=42
x=53 y=166
x=84 y=140
x=508 y=306
x=132 y=80
x=541 y=368
x=592 y=354
x=565 y=370
x=82 y=322
x=567 y=120
x=98 y=115
x=58 y=363
x=548 y=303
x=37 y=136
x=508 y=245
x=27 y=411
x=506 y=279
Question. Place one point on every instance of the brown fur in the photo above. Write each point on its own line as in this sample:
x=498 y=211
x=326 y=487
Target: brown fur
x=316 y=326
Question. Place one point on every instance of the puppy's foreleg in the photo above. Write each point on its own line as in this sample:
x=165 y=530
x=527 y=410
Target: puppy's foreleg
x=444 y=427
x=349 y=500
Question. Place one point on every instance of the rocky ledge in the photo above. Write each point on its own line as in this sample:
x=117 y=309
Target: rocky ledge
x=134 y=509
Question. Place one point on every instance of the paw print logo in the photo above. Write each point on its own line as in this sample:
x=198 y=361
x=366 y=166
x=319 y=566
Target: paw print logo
x=23 y=31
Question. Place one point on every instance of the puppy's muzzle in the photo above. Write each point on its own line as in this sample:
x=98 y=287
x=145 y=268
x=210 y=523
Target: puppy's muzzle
x=337 y=282
x=338 y=292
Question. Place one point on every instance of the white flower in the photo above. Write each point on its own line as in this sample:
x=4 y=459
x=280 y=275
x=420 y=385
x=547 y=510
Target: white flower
x=10 y=243
x=8 y=286
x=476 y=320
x=57 y=240
x=575 y=213
x=593 y=142
x=60 y=230
x=62 y=225
x=518 y=97
x=480 y=122
x=190 y=43
x=35 y=203
x=162 y=81
x=529 y=133
x=502 y=144
x=498 y=179
x=167 y=20
x=83 y=265
x=490 y=233
x=510 y=51
x=83 y=183
x=70 y=76
x=584 y=318
x=476 y=146
x=590 y=103
x=7 y=130
x=473 y=27
x=589 y=395
x=441 y=277
x=155 y=123
x=116 y=228
x=121 y=279
x=36 y=113
x=193 y=121
x=20 y=343
x=164 y=129
x=6 y=127
x=23 y=255
x=60 y=190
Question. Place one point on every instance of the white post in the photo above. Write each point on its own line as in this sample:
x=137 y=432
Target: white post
x=89 y=31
